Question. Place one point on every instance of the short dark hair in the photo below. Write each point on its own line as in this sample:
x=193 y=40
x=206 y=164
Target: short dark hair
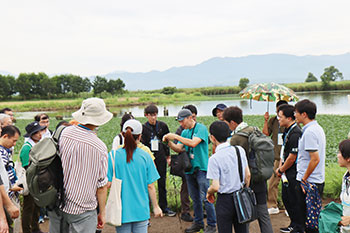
x=66 y=123
x=151 y=109
x=5 y=110
x=125 y=118
x=41 y=116
x=219 y=130
x=308 y=107
x=233 y=113
x=280 y=102
x=287 y=110
x=344 y=148
x=10 y=130
x=191 y=107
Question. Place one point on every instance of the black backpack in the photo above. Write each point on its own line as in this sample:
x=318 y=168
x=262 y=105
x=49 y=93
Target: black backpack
x=45 y=172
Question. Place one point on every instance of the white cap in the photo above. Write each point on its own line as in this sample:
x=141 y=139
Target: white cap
x=135 y=125
x=93 y=111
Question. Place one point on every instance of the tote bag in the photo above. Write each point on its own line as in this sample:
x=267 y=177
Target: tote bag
x=114 y=202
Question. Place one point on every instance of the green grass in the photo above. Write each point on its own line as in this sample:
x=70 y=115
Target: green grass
x=336 y=129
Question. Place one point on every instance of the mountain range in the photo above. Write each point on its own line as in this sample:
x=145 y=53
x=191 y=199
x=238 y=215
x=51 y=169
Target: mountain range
x=227 y=71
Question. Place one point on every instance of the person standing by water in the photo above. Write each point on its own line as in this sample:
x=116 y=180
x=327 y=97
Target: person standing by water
x=273 y=129
x=311 y=160
x=31 y=212
x=287 y=166
x=152 y=134
x=138 y=173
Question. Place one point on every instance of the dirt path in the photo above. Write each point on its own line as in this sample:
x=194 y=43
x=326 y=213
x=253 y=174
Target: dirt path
x=173 y=225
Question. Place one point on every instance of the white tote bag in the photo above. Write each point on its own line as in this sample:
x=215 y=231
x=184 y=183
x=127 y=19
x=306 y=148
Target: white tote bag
x=114 y=202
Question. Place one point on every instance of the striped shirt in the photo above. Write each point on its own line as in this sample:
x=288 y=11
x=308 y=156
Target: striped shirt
x=85 y=164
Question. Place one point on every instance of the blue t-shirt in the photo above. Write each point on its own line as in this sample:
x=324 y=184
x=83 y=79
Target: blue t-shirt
x=200 y=152
x=135 y=176
x=312 y=139
x=223 y=166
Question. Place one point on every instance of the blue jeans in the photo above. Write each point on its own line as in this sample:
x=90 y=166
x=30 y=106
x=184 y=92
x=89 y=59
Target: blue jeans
x=134 y=227
x=198 y=185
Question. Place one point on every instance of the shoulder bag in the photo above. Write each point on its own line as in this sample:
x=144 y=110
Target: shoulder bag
x=244 y=199
x=181 y=163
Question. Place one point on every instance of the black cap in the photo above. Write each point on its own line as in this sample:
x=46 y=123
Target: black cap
x=183 y=114
x=219 y=106
x=32 y=128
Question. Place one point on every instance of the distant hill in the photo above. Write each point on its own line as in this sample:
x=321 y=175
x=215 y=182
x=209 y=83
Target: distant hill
x=226 y=71
x=223 y=71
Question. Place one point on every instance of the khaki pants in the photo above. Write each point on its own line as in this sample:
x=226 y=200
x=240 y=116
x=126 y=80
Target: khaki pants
x=272 y=191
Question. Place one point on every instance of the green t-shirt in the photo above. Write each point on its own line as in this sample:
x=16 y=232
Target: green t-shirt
x=24 y=154
x=200 y=152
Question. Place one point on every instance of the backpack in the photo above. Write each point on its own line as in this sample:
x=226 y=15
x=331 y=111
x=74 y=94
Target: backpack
x=261 y=154
x=45 y=173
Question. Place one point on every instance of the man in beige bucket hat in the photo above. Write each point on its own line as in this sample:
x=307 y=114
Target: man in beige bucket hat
x=84 y=163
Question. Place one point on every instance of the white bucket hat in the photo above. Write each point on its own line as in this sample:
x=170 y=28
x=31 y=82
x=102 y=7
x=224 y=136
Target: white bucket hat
x=93 y=111
x=135 y=125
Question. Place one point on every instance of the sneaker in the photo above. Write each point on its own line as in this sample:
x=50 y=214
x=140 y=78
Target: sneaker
x=46 y=217
x=194 y=228
x=186 y=217
x=210 y=229
x=98 y=231
x=168 y=212
x=286 y=229
x=273 y=210
x=41 y=220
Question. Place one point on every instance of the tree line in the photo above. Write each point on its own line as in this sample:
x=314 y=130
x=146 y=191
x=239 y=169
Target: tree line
x=330 y=74
x=40 y=85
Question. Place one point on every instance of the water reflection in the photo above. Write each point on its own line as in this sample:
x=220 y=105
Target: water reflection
x=327 y=103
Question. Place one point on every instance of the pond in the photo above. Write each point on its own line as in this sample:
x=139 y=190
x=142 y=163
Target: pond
x=327 y=103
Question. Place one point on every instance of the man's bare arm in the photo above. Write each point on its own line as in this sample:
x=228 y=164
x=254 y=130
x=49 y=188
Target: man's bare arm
x=314 y=160
x=101 y=194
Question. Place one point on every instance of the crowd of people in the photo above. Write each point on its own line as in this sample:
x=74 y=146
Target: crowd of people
x=140 y=156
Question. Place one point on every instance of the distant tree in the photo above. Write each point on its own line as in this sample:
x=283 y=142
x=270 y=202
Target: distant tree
x=63 y=83
x=86 y=85
x=330 y=74
x=23 y=85
x=7 y=87
x=311 y=78
x=77 y=84
x=168 y=90
x=115 y=86
x=243 y=83
x=99 y=85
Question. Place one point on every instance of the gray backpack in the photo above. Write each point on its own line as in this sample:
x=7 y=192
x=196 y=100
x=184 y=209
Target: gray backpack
x=45 y=173
x=261 y=154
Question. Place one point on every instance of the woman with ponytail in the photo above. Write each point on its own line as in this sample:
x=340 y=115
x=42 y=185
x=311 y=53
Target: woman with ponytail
x=138 y=173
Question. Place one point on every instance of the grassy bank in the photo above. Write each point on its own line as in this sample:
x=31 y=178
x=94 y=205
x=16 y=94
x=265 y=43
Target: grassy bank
x=129 y=99
x=336 y=128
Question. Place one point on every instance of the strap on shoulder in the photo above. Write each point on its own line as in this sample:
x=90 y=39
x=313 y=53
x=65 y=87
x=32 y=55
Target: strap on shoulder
x=56 y=135
x=240 y=169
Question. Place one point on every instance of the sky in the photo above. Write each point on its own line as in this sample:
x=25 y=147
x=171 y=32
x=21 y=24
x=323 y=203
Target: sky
x=87 y=38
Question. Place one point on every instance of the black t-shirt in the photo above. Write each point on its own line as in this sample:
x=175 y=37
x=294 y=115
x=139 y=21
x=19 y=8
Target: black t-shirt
x=149 y=132
x=291 y=142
